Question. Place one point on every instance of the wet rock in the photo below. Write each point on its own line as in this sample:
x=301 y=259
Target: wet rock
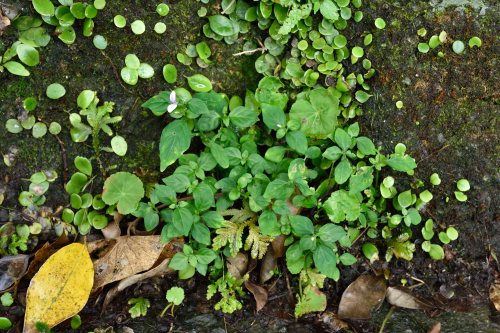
x=299 y=328
x=205 y=321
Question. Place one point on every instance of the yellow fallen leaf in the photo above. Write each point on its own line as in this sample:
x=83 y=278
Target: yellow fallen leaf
x=61 y=287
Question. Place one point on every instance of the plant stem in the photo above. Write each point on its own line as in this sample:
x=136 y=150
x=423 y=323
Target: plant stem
x=165 y=310
x=386 y=318
x=95 y=136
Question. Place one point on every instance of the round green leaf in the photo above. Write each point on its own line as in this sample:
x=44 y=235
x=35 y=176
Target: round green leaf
x=463 y=185
x=138 y=27
x=423 y=47
x=13 y=126
x=175 y=295
x=100 y=42
x=436 y=252
x=54 y=128
x=44 y=7
x=68 y=215
x=130 y=76
x=99 y=4
x=340 y=41
x=67 y=20
x=435 y=180
x=125 y=189
x=55 y=91
x=426 y=246
x=146 y=71
x=162 y=9
x=119 y=145
x=444 y=238
x=170 y=73
x=98 y=203
x=39 y=130
x=29 y=104
x=426 y=196
x=99 y=222
x=368 y=39
x=458 y=47
x=66 y=34
x=87 y=200
x=5 y=323
x=76 y=321
x=357 y=51
x=85 y=98
x=160 y=27
x=76 y=201
x=120 y=21
x=90 y=12
x=452 y=233
x=460 y=196
x=132 y=62
x=380 y=23
x=399 y=104
x=199 y=83
x=434 y=42
x=474 y=41
x=78 y=10
x=29 y=123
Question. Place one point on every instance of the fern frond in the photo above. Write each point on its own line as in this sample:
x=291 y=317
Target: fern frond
x=230 y=232
x=82 y=127
x=106 y=129
x=91 y=108
x=257 y=241
x=111 y=120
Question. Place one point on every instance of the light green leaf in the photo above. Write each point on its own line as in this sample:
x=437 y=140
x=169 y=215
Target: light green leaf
x=125 y=189
x=341 y=206
x=175 y=140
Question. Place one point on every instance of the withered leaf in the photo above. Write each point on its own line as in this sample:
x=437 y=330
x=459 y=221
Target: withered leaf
x=4 y=22
x=406 y=298
x=128 y=256
x=11 y=269
x=495 y=294
x=436 y=328
x=259 y=293
x=269 y=263
x=162 y=269
x=279 y=246
x=41 y=257
x=237 y=266
x=333 y=322
x=363 y=296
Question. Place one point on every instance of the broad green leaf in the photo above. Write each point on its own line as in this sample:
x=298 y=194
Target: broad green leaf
x=203 y=197
x=220 y=154
x=297 y=141
x=294 y=253
x=330 y=233
x=319 y=116
x=302 y=225
x=197 y=106
x=342 y=139
x=44 y=7
x=405 y=199
x=16 y=68
x=268 y=92
x=199 y=83
x=343 y=171
x=325 y=260
x=312 y=300
x=347 y=259
x=341 y=206
x=436 y=252
x=273 y=116
x=28 y=55
x=243 y=117
x=175 y=140
x=333 y=153
x=365 y=145
x=200 y=233
x=400 y=163
x=279 y=189
x=182 y=220
x=178 y=182
x=223 y=26
x=179 y=261
x=275 y=154
x=267 y=222
x=55 y=91
x=170 y=73
x=125 y=189
x=361 y=181
x=83 y=165
x=297 y=169
x=151 y=220
x=213 y=219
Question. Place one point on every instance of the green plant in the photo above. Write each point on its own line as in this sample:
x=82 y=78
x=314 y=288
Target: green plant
x=140 y=307
x=76 y=322
x=5 y=323
x=98 y=119
x=227 y=286
x=310 y=299
x=175 y=296
x=42 y=327
x=40 y=182
x=187 y=261
x=7 y=299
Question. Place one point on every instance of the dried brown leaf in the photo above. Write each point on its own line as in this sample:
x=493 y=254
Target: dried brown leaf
x=111 y=231
x=128 y=256
x=495 y=294
x=160 y=270
x=41 y=257
x=4 y=22
x=259 y=293
x=237 y=266
x=363 y=296
x=436 y=328
x=12 y=268
x=406 y=298
x=269 y=263
x=333 y=322
x=279 y=246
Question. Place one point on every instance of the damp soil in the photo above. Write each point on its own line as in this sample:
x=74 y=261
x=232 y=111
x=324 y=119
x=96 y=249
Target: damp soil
x=450 y=124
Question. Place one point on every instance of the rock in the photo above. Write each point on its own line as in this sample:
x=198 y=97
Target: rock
x=203 y=321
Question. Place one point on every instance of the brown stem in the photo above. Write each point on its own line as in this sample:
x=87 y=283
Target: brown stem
x=361 y=234
x=61 y=144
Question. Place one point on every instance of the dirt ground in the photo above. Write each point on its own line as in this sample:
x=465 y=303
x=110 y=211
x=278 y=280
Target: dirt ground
x=450 y=123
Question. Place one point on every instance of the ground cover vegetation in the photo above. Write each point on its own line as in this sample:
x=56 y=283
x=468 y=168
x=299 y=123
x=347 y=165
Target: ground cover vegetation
x=284 y=167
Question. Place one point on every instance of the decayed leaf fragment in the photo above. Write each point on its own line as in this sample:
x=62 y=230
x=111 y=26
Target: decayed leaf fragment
x=406 y=298
x=436 y=328
x=11 y=269
x=4 y=22
x=333 y=321
x=495 y=294
x=61 y=287
x=363 y=296
x=259 y=293
x=126 y=256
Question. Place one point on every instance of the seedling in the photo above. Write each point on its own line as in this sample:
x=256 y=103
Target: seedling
x=7 y=299
x=140 y=307
x=175 y=296
x=435 y=180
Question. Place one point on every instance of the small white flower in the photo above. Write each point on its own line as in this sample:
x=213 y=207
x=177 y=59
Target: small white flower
x=172 y=106
x=279 y=126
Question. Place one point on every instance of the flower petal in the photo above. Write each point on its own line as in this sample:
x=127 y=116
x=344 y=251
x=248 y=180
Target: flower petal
x=171 y=107
x=172 y=97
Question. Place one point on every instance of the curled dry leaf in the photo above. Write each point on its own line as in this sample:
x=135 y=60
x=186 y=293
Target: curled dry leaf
x=4 y=22
x=333 y=322
x=238 y=265
x=41 y=256
x=406 y=298
x=12 y=268
x=126 y=256
x=436 y=328
x=363 y=296
x=495 y=294
x=160 y=270
x=96 y=245
x=259 y=293
x=112 y=230
x=279 y=246
x=269 y=263
x=61 y=287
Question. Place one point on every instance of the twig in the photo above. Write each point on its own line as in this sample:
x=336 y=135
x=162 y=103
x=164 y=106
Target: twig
x=224 y=315
x=435 y=153
x=414 y=278
x=386 y=318
x=416 y=285
x=132 y=224
x=61 y=144
x=225 y=10
x=263 y=49
x=361 y=234
x=290 y=294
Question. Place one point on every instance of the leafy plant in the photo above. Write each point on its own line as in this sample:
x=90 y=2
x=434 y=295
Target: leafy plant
x=7 y=299
x=227 y=286
x=42 y=327
x=140 y=307
x=175 y=296
x=187 y=261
